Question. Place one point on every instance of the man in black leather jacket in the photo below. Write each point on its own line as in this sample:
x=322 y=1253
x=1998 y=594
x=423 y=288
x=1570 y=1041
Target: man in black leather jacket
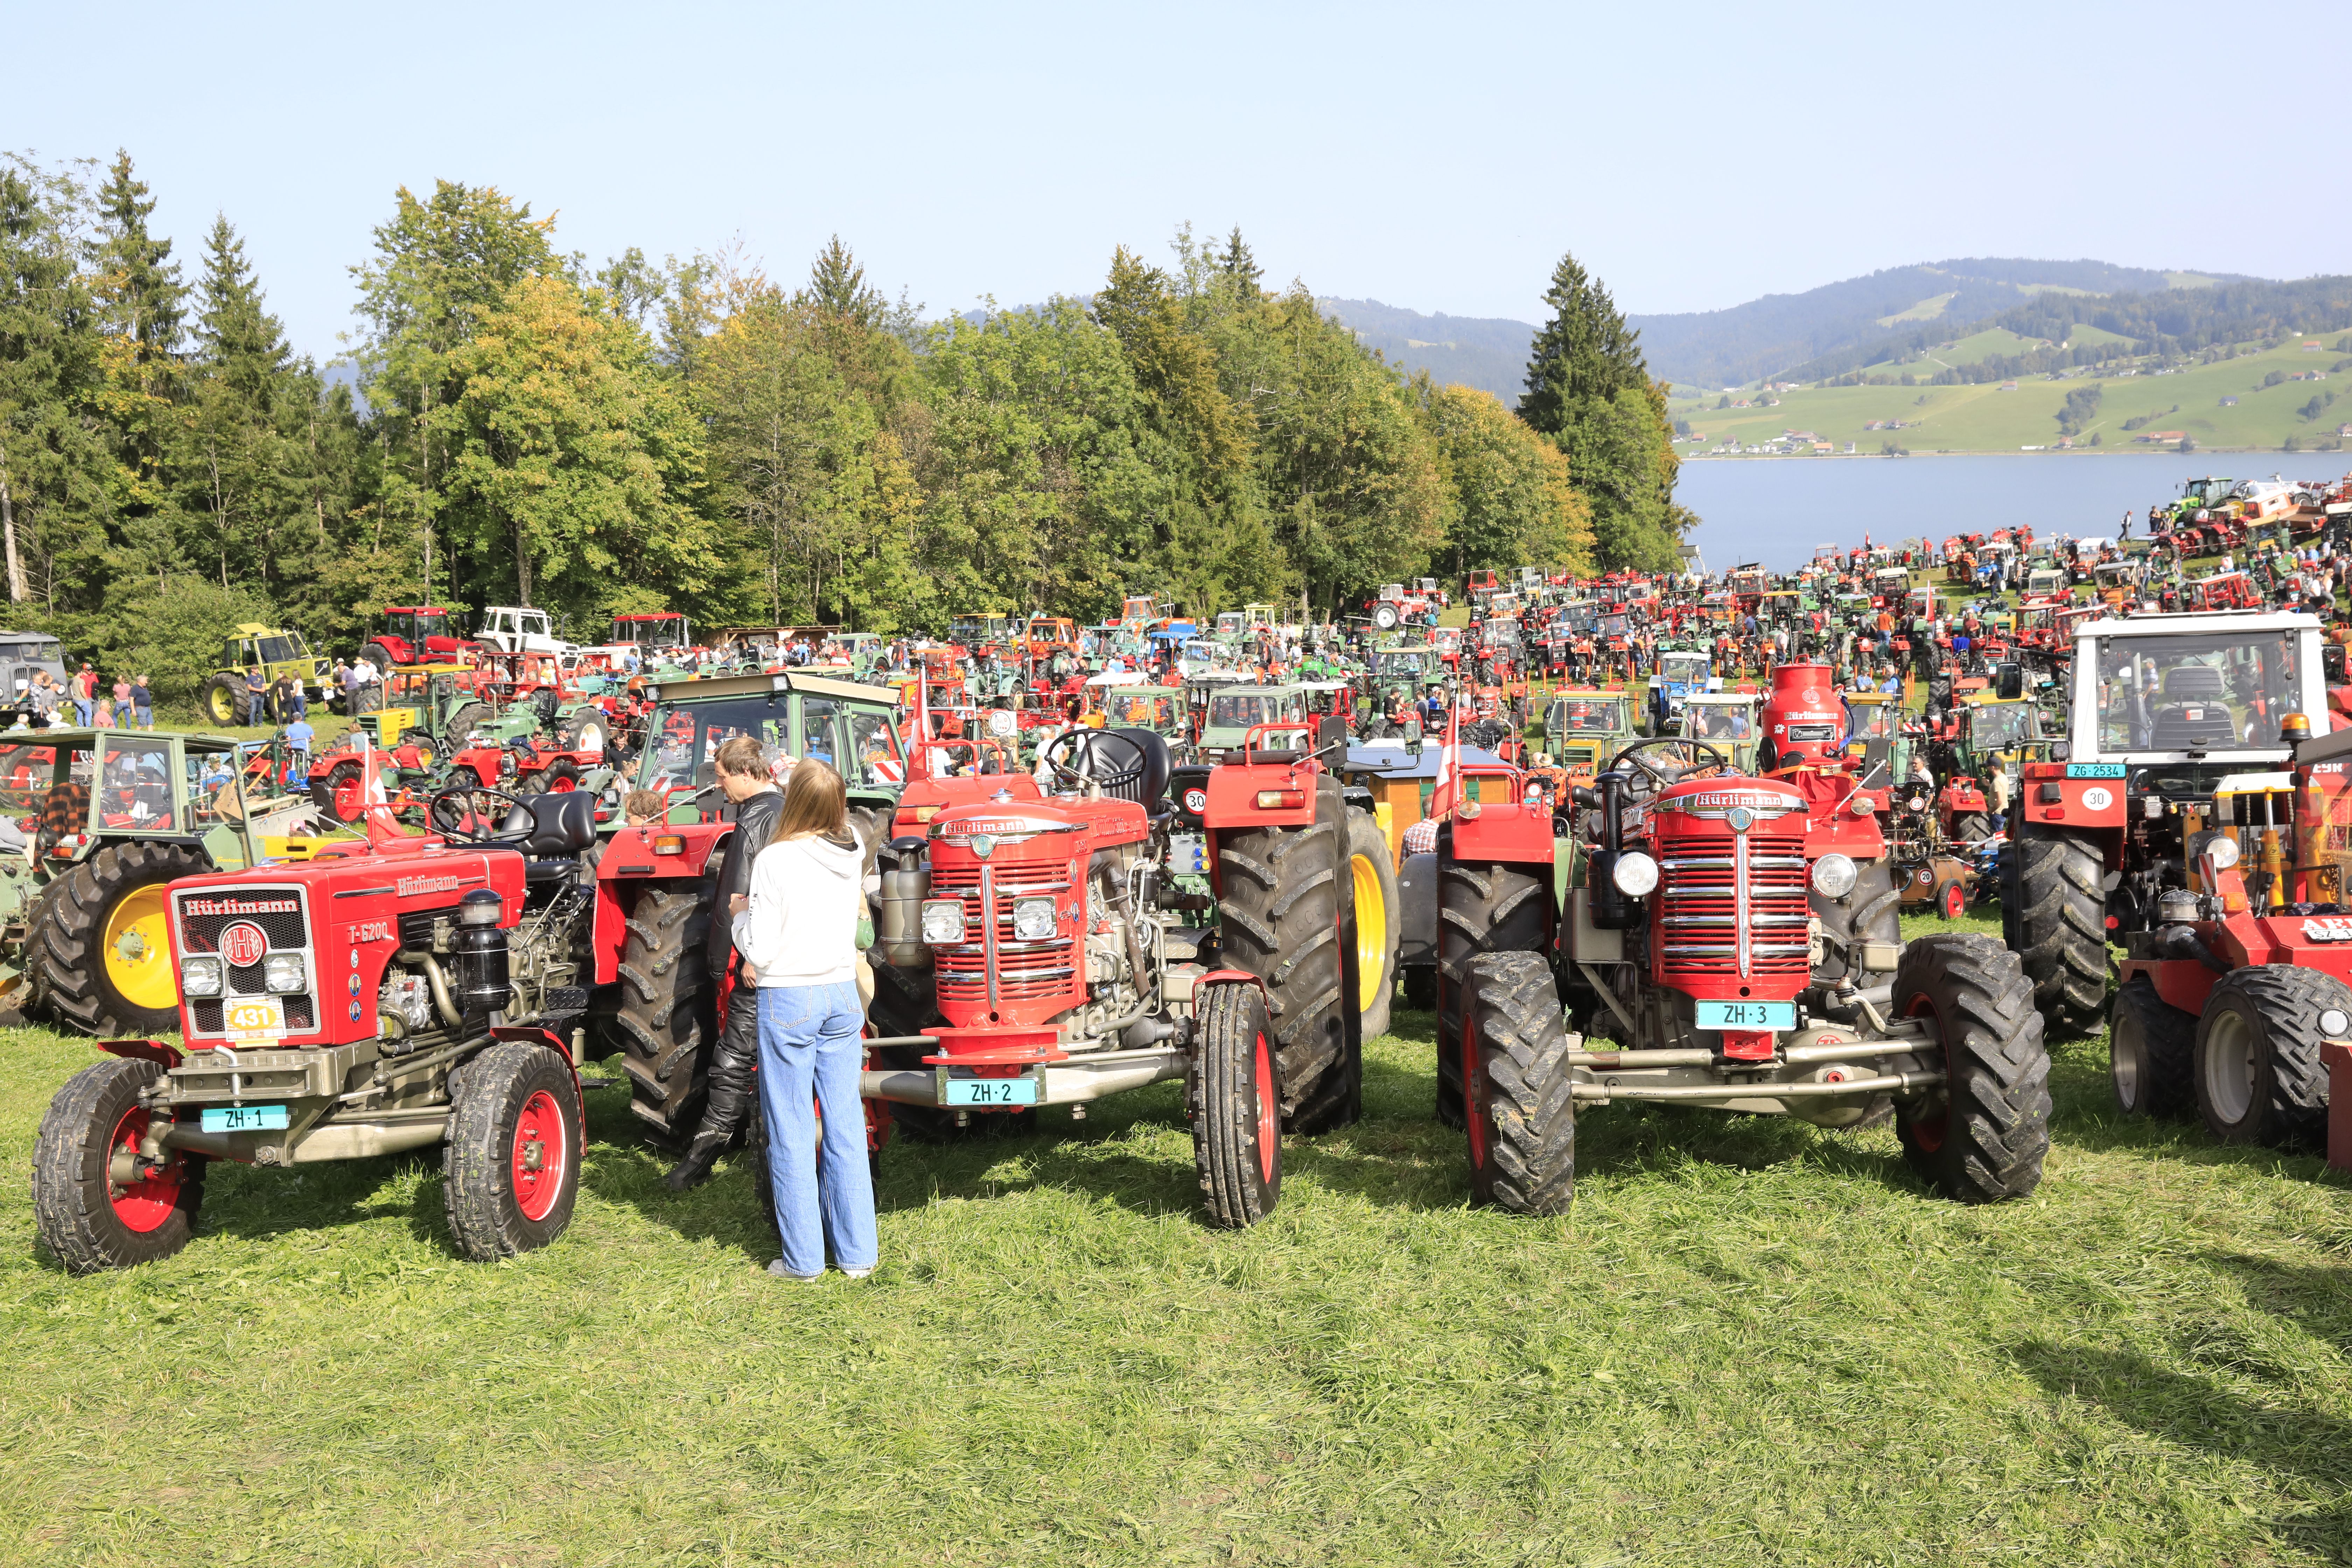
x=742 y=764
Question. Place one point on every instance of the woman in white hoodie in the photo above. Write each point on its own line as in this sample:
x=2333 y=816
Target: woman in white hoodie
x=797 y=933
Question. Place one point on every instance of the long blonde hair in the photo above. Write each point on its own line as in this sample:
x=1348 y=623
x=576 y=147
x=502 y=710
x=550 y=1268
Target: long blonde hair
x=815 y=801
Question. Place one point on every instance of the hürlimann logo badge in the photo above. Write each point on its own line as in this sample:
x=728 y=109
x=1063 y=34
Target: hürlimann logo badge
x=241 y=907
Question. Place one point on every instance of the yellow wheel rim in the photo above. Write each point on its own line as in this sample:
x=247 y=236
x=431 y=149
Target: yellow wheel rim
x=1372 y=932
x=138 y=950
x=424 y=753
x=222 y=706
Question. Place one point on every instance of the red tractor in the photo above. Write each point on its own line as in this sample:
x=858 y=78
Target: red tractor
x=1045 y=949
x=392 y=994
x=1720 y=931
x=419 y=634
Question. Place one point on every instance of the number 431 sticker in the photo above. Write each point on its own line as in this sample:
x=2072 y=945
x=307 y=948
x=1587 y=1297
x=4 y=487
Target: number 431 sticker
x=2328 y=927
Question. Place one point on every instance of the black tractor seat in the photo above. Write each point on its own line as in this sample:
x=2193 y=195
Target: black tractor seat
x=552 y=831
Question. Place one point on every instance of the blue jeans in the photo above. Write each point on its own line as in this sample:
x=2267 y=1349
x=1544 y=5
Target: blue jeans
x=809 y=1050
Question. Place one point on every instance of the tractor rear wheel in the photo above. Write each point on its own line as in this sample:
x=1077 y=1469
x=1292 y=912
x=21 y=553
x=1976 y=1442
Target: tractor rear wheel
x=465 y=721
x=342 y=792
x=380 y=655
x=2059 y=927
x=510 y=1169
x=1981 y=1135
x=663 y=1019
x=86 y=1221
x=1482 y=908
x=1379 y=929
x=2257 y=1073
x=1284 y=919
x=224 y=700
x=2151 y=1053
x=585 y=731
x=1971 y=828
x=1234 y=1098
x=104 y=943
x=1522 y=1112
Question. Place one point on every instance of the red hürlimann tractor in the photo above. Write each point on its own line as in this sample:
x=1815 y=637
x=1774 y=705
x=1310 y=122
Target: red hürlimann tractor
x=1735 y=938
x=1039 y=949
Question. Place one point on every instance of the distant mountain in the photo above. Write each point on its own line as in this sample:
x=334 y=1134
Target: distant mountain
x=1767 y=336
x=1485 y=352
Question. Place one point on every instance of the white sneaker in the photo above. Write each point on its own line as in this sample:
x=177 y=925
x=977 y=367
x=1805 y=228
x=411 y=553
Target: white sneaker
x=857 y=1273
x=778 y=1270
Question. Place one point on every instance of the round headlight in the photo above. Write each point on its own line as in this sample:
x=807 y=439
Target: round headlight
x=942 y=921
x=1636 y=874
x=200 y=976
x=2334 y=1021
x=2222 y=852
x=1032 y=919
x=1833 y=875
x=282 y=972
x=480 y=908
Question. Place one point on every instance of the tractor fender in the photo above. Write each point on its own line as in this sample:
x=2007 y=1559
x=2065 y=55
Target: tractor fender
x=1417 y=910
x=533 y=1034
x=167 y=1057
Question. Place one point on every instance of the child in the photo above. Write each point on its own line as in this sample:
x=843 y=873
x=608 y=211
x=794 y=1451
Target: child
x=644 y=807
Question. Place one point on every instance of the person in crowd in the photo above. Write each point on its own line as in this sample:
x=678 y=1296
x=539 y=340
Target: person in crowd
x=298 y=737
x=142 y=701
x=744 y=778
x=122 y=701
x=85 y=688
x=797 y=932
x=644 y=807
x=256 y=696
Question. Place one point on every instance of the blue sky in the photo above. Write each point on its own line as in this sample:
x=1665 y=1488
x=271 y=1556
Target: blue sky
x=1440 y=158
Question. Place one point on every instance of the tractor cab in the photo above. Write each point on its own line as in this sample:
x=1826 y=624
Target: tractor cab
x=846 y=724
x=1681 y=676
x=1235 y=711
x=658 y=632
x=1729 y=720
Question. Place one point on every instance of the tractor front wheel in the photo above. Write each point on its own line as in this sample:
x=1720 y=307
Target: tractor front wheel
x=1379 y=930
x=1521 y=1104
x=1981 y=1135
x=511 y=1171
x=87 y=1219
x=224 y=700
x=103 y=944
x=1482 y=908
x=2257 y=1071
x=2059 y=927
x=2151 y=1053
x=1233 y=1094
x=342 y=793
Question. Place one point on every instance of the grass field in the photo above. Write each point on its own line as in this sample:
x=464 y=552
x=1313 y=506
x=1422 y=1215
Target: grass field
x=1983 y=418
x=1752 y=1342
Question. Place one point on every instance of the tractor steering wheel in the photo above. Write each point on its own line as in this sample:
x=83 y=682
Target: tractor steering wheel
x=1660 y=775
x=464 y=823
x=1091 y=763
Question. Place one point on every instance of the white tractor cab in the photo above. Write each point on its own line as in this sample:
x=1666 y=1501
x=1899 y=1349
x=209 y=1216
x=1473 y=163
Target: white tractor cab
x=511 y=629
x=2180 y=689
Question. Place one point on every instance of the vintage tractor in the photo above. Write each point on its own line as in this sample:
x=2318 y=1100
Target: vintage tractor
x=417 y=633
x=2163 y=709
x=272 y=652
x=1065 y=962
x=2228 y=996
x=1721 y=931
x=103 y=819
x=1585 y=729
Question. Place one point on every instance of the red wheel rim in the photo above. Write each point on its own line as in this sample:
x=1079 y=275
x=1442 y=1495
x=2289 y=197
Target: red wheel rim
x=144 y=1204
x=561 y=785
x=1953 y=902
x=1929 y=1132
x=347 y=796
x=1473 y=1106
x=1269 y=1110
x=540 y=1155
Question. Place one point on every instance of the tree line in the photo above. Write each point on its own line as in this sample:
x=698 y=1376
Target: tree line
x=529 y=428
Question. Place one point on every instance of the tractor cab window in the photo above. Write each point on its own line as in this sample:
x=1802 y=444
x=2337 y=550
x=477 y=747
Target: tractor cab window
x=2002 y=726
x=436 y=625
x=25 y=772
x=821 y=732
x=873 y=750
x=1586 y=718
x=135 y=788
x=1717 y=720
x=1403 y=665
x=400 y=623
x=277 y=650
x=684 y=738
x=2204 y=692
x=1681 y=666
x=1239 y=711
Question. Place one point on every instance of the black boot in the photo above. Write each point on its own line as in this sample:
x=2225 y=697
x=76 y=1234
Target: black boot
x=732 y=1068
x=700 y=1155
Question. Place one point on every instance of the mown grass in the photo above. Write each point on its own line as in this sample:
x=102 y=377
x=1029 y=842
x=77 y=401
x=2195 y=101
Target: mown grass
x=1751 y=1343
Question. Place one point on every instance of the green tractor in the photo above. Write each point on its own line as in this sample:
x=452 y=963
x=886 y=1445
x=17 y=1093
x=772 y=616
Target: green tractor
x=227 y=696
x=1585 y=730
x=100 y=820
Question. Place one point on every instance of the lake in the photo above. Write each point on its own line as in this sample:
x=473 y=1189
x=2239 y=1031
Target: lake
x=1774 y=510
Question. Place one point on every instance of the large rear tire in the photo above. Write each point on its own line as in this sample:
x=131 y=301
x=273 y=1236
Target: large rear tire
x=1234 y=1096
x=1982 y=1136
x=665 y=1012
x=1482 y=908
x=2257 y=1074
x=463 y=722
x=86 y=1221
x=1283 y=920
x=2151 y=1053
x=224 y=700
x=2060 y=926
x=1522 y=1110
x=510 y=1169
x=1379 y=926
x=103 y=944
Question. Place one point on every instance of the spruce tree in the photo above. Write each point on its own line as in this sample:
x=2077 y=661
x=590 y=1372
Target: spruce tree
x=145 y=302
x=237 y=339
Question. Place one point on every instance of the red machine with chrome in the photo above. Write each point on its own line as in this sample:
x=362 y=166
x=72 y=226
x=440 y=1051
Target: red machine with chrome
x=1049 y=949
x=387 y=994
x=417 y=633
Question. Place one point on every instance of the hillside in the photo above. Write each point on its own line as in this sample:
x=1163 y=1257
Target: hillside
x=1767 y=336
x=1486 y=352
x=2223 y=405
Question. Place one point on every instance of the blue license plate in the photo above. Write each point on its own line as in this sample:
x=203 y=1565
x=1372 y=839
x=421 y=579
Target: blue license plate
x=987 y=1091
x=2094 y=770
x=247 y=1119
x=1746 y=1014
